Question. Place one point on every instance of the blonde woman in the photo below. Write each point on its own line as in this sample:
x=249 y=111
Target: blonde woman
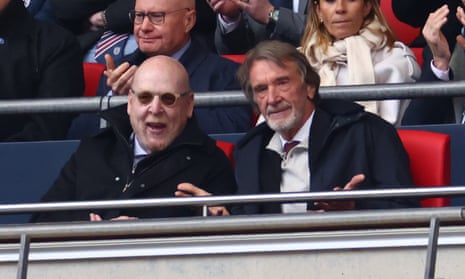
x=349 y=42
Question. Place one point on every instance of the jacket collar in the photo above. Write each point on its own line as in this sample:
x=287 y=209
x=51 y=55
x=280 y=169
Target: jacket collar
x=330 y=115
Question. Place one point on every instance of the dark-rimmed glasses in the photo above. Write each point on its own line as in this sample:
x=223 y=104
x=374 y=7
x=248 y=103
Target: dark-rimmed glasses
x=168 y=99
x=156 y=18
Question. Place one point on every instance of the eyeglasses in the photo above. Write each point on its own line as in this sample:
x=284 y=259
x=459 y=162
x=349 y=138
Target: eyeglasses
x=167 y=99
x=156 y=18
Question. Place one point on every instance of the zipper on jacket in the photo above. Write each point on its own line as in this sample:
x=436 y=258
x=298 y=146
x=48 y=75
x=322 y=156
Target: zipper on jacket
x=128 y=183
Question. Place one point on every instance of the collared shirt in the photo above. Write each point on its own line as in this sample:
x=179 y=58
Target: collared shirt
x=177 y=55
x=139 y=151
x=295 y=169
x=440 y=74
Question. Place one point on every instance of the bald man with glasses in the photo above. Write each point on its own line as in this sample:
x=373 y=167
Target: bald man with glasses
x=152 y=146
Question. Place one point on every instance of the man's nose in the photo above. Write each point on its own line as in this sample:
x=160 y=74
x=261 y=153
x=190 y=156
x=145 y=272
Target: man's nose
x=273 y=95
x=146 y=24
x=155 y=106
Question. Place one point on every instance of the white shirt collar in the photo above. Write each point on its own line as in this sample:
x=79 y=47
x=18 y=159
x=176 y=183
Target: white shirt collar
x=277 y=142
x=138 y=149
x=303 y=132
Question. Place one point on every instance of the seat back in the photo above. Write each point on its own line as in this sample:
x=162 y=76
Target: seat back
x=429 y=155
x=92 y=75
x=227 y=148
x=405 y=33
x=238 y=58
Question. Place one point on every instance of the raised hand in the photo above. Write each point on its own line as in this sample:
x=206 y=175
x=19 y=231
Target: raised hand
x=342 y=205
x=119 y=79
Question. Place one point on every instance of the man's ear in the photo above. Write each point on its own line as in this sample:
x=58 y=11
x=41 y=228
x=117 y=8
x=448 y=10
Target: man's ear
x=130 y=99
x=189 y=20
x=310 y=92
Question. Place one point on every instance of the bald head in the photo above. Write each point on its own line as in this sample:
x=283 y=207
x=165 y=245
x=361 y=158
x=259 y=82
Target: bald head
x=162 y=70
x=160 y=102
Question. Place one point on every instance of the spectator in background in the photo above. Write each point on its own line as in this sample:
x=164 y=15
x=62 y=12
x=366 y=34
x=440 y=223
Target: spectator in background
x=307 y=144
x=242 y=24
x=38 y=60
x=349 y=42
x=416 y=12
x=163 y=28
x=101 y=26
x=143 y=155
x=440 y=31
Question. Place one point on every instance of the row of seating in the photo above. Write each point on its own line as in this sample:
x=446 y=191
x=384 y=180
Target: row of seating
x=429 y=154
x=430 y=162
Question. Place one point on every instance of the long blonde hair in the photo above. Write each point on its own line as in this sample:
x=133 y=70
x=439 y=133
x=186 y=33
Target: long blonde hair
x=324 y=39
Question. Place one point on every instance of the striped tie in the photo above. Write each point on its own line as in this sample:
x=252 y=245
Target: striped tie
x=111 y=43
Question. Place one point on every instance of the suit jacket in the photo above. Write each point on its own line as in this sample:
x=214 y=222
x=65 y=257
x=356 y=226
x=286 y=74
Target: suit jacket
x=102 y=166
x=289 y=28
x=38 y=60
x=344 y=141
x=207 y=72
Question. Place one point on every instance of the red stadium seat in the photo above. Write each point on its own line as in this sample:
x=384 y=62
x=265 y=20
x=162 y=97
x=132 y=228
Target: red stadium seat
x=430 y=162
x=92 y=74
x=228 y=149
x=239 y=58
x=405 y=33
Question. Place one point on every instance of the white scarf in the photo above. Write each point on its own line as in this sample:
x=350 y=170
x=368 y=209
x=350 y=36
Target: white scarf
x=354 y=50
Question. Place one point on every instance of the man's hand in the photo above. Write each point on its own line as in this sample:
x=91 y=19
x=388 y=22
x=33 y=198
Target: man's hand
x=257 y=9
x=461 y=17
x=96 y=218
x=97 y=21
x=227 y=8
x=342 y=205
x=190 y=190
x=435 y=38
x=119 y=79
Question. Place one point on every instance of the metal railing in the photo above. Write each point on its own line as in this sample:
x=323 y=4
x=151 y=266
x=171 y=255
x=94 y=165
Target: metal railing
x=235 y=199
x=229 y=224
x=227 y=98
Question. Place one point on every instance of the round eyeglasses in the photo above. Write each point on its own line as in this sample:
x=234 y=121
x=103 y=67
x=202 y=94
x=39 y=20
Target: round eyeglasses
x=156 y=18
x=167 y=99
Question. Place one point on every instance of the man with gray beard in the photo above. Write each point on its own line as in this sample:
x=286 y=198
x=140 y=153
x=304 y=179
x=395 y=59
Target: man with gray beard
x=307 y=144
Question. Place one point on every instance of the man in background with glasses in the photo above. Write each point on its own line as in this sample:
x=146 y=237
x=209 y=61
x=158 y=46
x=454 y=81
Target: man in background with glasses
x=145 y=153
x=163 y=28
